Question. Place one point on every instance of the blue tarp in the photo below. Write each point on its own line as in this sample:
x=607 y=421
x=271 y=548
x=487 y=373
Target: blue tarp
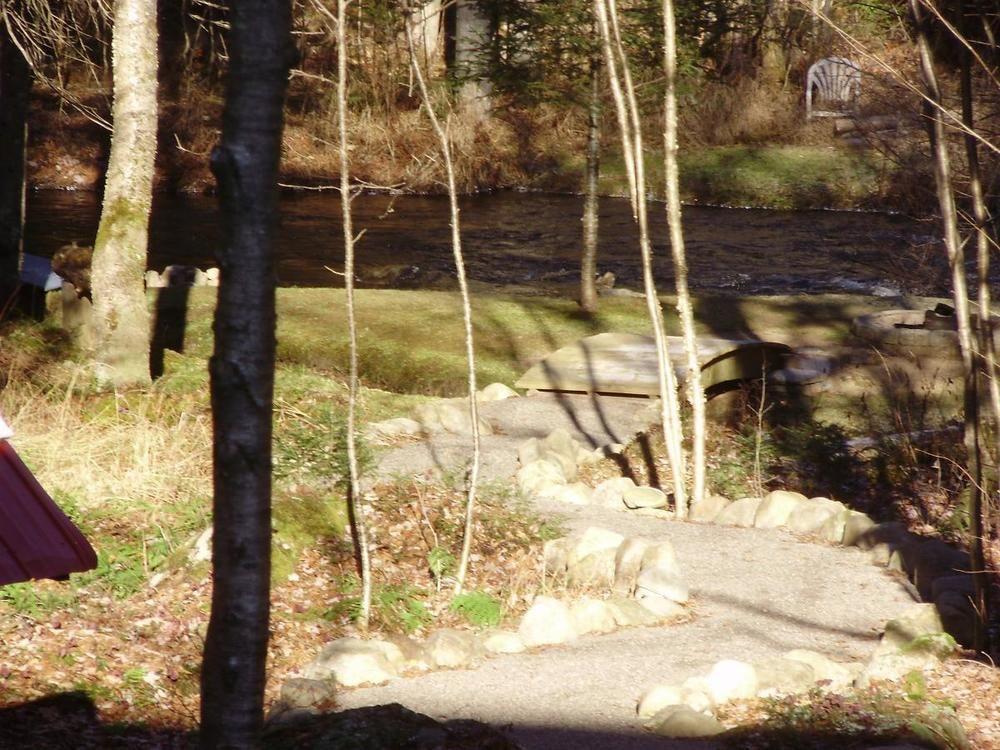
x=37 y=271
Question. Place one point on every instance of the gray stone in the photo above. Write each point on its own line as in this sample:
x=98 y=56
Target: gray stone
x=856 y=529
x=780 y=676
x=832 y=675
x=930 y=559
x=628 y=613
x=708 y=509
x=300 y=692
x=451 y=648
x=658 y=698
x=628 y=562
x=809 y=516
x=503 y=642
x=411 y=651
x=495 y=392
x=559 y=448
x=683 y=721
x=576 y=493
x=892 y=666
x=536 y=475
x=731 y=680
x=153 y=280
x=555 y=555
x=958 y=615
x=663 y=583
x=593 y=539
x=833 y=529
x=609 y=493
x=659 y=573
x=592 y=616
x=392 y=652
x=775 y=508
x=448 y=416
x=919 y=620
x=661 y=513
x=351 y=662
x=644 y=497
x=664 y=608
x=739 y=512
x=547 y=622
x=596 y=570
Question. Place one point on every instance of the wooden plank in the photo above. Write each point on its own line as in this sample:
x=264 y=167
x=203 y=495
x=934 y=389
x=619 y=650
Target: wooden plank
x=626 y=363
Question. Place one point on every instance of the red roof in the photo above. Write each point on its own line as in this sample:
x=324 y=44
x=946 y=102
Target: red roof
x=37 y=540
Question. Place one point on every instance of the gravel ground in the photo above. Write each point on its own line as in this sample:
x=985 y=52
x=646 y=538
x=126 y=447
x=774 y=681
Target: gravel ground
x=755 y=594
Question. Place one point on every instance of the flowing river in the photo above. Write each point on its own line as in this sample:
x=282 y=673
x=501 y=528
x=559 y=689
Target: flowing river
x=530 y=242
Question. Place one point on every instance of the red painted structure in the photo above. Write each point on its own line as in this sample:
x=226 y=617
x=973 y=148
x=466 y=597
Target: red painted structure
x=37 y=540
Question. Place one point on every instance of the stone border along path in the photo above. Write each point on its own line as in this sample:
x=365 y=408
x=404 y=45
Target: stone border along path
x=766 y=609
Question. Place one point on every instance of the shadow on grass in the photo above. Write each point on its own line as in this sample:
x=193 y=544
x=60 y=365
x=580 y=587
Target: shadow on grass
x=70 y=721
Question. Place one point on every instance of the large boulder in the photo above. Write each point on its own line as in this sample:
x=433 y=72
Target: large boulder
x=503 y=642
x=558 y=447
x=731 y=680
x=548 y=621
x=352 y=662
x=809 y=516
x=628 y=562
x=739 y=512
x=830 y=674
x=683 y=721
x=644 y=497
x=449 y=416
x=450 y=648
x=660 y=697
x=780 y=676
x=535 y=477
x=592 y=616
x=776 y=507
x=596 y=570
x=660 y=575
x=629 y=613
x=609 y=493
x=856 y=530
x=593 y=539
x=708 y=509
x=495 y=392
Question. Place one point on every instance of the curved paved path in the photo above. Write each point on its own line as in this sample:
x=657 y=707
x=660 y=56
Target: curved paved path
x=756 y=593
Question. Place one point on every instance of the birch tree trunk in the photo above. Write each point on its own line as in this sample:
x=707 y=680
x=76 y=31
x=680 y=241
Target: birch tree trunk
x=356 y=510
x=696 y=394
x=588 y=259
x=980 y=509
x=15 y=86
x=120 y=319
x=627 y=108
x=245 y=164
x=472 y=478
x=956 y=259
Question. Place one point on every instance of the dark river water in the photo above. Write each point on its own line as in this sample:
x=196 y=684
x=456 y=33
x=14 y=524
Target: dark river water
x=532 y=240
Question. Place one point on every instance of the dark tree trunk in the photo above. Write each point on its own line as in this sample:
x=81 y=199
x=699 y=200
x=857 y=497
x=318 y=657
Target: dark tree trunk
x=245 y=164
x=15 y=86
x=588 y=259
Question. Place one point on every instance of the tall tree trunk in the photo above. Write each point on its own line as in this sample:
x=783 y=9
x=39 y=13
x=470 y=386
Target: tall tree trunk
x=588 y=260
x=472 y=478
x=120 y=316
x=473 y=31
x=359 y=526
x=981 y=500
x=631 y=133
x=956 y=257
x=245 y=164
x=696 y=394
x=15 y=87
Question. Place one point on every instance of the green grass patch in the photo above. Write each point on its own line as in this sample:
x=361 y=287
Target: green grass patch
x=479 y=608
x=765 y=176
